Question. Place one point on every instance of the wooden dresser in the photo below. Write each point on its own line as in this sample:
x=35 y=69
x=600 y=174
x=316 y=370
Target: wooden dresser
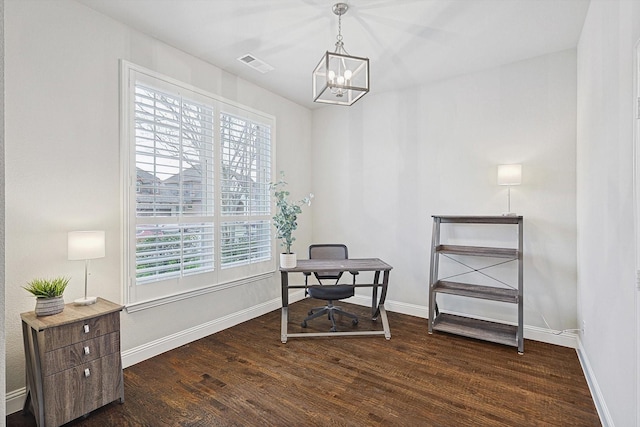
x=73 y=361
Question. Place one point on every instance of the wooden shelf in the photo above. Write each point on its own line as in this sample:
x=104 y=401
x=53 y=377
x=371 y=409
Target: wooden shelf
x=478 y=251
x=476 y=291
x=469 y=326
x=475 y=328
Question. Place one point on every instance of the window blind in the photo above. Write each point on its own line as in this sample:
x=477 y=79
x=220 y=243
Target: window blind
x=174 y=177
x=245 y=193
x=197 y=196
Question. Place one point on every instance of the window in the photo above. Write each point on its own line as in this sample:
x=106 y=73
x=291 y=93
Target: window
x=197 y=200
x=246 y=173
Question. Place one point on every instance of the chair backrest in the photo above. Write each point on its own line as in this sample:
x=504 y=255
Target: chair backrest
x=328 y=251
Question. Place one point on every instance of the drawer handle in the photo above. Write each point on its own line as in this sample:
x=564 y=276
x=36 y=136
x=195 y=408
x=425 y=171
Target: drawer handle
x=87 y=351
x=87 y=373
x=86 y=329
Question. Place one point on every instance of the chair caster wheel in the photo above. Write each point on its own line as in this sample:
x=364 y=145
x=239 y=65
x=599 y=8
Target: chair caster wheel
x=354 y=322
x=303 y=324
x=310 y=312
x=333 y=330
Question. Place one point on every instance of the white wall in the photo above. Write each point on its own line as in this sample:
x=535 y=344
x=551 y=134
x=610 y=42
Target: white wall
x=385 y=165
x=62 y=164
x=606 y=248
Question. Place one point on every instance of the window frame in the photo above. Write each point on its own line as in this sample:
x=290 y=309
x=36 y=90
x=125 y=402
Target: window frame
x=134 y=297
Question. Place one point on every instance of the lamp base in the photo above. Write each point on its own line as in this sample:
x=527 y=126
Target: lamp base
x=85 y=301
x=509 y=214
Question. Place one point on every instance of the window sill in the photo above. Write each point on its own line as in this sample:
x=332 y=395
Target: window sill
x=144 y=305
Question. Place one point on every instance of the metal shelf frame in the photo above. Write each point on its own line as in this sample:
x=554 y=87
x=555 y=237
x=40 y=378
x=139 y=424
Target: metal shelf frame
x=468 y=326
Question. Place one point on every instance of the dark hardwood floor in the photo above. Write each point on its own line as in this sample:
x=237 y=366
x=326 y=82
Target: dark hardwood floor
x=244 y=376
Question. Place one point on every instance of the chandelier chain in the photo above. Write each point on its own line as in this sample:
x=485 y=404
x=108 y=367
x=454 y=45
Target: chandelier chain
x=340 y=44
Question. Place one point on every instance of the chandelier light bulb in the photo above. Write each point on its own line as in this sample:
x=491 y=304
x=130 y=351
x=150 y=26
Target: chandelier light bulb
x=347 y=74
x=340 y=80
x=332 y=75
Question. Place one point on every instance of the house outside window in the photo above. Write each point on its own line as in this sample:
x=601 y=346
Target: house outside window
x=198 y=209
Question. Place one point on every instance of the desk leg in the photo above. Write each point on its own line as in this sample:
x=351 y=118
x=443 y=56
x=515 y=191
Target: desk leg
x=377 y=307
x=374 y=296
x=284 y=279
x=383 y=294
x=285 y=321
x=385 y=322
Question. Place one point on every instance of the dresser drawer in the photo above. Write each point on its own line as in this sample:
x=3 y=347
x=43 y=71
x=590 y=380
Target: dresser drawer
x=71 y=393
x=79 y=353
x=62 y=336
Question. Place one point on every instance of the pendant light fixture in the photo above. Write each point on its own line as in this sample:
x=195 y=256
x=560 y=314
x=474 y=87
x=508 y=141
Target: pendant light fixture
x=340 y=78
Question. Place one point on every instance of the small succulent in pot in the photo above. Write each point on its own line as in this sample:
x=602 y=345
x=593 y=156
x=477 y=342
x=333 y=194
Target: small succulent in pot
x=47 y=288
x=48 y=293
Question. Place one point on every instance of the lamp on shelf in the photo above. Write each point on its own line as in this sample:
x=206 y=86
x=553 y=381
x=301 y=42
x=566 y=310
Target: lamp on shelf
x=509 y=175
x=340 y=78
x=85 y=245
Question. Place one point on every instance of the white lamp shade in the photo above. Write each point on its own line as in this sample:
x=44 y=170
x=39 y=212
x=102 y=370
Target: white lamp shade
x=509 y=174
x=86 y=245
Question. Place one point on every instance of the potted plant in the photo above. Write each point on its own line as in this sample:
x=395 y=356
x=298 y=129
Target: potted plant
x=285 y=219
x=48 y=293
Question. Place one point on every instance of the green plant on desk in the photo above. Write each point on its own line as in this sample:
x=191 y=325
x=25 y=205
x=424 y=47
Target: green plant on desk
x=286 y=213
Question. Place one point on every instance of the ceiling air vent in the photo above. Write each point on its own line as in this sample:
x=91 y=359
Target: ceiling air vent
x=255 y=63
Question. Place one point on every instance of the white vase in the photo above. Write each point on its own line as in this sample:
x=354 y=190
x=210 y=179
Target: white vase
x=49 y=306
x=288 y=260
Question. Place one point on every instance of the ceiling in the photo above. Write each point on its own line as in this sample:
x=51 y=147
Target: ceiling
x=408 y=42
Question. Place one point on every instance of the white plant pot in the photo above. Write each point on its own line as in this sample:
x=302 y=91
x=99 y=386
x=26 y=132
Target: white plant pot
x=49 y=306
x=288 y=260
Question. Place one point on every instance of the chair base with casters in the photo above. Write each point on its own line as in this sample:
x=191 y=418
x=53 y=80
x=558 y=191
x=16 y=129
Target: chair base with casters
x=330 y=294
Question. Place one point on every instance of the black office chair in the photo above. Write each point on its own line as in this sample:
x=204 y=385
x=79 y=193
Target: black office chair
x=329 y=293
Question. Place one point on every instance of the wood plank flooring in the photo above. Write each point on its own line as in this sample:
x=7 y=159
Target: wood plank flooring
x=244 y=376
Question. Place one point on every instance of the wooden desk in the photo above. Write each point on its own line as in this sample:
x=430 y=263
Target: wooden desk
x=332 y=266
x=73 y=361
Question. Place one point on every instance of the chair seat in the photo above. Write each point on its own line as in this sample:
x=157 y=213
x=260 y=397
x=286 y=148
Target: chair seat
x=331 y=292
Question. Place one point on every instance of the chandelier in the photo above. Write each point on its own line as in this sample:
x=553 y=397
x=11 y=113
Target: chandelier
x=340 y=78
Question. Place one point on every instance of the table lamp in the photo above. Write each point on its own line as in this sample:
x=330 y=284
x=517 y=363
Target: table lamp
x=85 y=245
x=509 y=175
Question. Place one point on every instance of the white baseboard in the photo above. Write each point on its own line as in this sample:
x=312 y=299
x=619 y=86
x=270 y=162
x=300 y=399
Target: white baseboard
x=565 y=339
x=146 y=351
x=15 y=400
x=594 y=388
